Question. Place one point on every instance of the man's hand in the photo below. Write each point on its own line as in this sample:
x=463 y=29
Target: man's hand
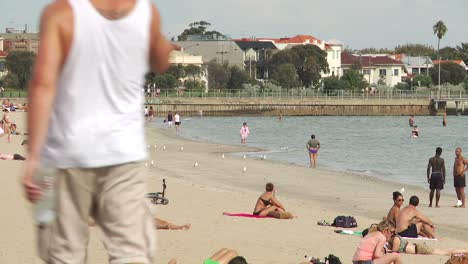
x=428 y=180
x=33 y=191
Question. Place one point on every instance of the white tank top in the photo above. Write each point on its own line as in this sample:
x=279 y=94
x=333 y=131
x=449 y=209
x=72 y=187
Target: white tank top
x=96 y=118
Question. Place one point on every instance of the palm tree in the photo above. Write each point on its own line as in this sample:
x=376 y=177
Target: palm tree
x=439 y=29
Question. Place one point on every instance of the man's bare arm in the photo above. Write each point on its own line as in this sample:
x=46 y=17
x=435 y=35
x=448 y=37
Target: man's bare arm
x=443 y=170
x=423 y=218
x=42 y=88
x=160 y=48
x=428 y=169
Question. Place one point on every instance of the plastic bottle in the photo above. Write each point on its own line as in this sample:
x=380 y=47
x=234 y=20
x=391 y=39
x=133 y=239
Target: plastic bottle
x=44 y=209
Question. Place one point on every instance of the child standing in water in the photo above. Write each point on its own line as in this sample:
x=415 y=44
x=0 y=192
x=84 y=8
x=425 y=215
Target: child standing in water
x=244 y=133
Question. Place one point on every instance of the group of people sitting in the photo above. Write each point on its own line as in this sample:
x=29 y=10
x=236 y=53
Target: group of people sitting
x=383 y=241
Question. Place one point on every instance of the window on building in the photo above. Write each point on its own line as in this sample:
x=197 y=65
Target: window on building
x=415 y=71
x=396 y=72
x=383 y=72
x=345 y=71
x=366 y=72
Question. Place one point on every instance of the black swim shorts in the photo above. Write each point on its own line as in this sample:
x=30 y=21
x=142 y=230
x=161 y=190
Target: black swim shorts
x=411 y=231
x=459 y=181
x=18 y=157
x=436 y=181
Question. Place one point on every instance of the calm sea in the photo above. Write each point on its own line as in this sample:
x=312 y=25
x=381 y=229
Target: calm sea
x=375 y=146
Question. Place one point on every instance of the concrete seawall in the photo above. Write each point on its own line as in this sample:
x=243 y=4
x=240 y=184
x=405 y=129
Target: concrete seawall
x=294 y=106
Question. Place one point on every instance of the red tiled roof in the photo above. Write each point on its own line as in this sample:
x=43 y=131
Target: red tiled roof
x=3 y=53
x=367 y=61
x=447 y=61
x=399 y=57
x=299 y=39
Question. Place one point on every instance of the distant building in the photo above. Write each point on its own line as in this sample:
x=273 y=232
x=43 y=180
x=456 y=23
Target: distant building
x=220 y=51
x=20 y=41
x=332 y=47
x=376 y=68
x=178 y=56
x=254 y=56
x=415 y=65
x=459 y=62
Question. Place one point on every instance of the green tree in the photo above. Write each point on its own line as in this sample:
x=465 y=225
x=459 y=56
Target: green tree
x=193 y=71
x=462 y=51
x=465 y=83
x=354 y=80
x=422 y=80
x=237 y=78
x=194 y=85
x=177 y=71
x=449 y=73
x=415 y=50
x=20 y=64
x=308 y=60
x=372 y=50
x=333 y=83
x=285 y=75
x=440 y=29
x=165 y=81
x=198 y=28
x=448 y=53
x=218 y=75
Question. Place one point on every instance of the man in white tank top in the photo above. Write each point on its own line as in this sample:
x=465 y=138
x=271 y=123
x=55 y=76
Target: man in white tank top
x=93 y=55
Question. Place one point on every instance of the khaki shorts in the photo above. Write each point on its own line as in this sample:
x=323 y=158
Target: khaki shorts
x=114 y=197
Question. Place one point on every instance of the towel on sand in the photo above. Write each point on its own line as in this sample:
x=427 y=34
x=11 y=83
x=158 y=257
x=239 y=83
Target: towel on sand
x=245 y=215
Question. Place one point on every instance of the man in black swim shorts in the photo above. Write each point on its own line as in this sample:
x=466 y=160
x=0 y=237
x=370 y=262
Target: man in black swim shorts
x=410 y=222
x=436 y=176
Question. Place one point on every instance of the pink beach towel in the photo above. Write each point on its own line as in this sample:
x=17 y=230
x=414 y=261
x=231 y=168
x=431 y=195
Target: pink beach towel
x=245 y=215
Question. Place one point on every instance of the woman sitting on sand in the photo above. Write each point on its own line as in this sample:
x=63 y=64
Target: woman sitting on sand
x=226 y=256
x=371 y=247
x=395 y=210
x=268 y=205
x=401 y=245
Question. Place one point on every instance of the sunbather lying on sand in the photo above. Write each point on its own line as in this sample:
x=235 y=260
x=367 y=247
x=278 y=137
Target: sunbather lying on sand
x=401 y=245
x=223 y=256
x=268 y=205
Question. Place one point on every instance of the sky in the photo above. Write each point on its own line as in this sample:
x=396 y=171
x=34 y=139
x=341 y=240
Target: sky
x=356 y=23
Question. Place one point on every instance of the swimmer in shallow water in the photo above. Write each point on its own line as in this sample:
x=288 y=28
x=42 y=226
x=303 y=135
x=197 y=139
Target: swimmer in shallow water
x=415 y=132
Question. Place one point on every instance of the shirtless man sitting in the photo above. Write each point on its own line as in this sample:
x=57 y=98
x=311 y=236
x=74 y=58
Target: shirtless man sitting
x=410 y=222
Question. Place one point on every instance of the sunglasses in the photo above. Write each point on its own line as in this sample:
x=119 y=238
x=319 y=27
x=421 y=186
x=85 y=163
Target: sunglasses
x=400 y=200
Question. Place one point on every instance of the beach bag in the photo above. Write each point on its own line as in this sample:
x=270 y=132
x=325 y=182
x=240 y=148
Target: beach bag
x=345 y=221
x=332 y=259
x=458 y=259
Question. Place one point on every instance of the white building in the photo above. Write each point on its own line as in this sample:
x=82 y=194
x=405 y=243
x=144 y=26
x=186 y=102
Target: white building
x=376 y=68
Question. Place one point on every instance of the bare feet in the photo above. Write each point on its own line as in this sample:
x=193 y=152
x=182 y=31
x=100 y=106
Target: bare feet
x=437 y=206
x=430 y=205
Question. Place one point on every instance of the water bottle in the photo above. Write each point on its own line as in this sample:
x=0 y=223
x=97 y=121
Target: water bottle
x=44 y=209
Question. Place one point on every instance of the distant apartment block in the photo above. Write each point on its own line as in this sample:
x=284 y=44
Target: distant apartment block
x=20 y=42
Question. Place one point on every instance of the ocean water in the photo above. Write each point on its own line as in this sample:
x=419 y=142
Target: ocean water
x=375 y=146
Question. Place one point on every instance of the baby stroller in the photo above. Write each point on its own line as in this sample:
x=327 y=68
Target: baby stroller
x=158 y=197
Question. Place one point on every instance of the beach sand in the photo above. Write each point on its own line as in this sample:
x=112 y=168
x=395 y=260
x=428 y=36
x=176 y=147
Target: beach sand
x=199 y=195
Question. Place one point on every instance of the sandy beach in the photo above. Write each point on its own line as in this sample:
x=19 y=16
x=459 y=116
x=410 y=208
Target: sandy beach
x=199 y=195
